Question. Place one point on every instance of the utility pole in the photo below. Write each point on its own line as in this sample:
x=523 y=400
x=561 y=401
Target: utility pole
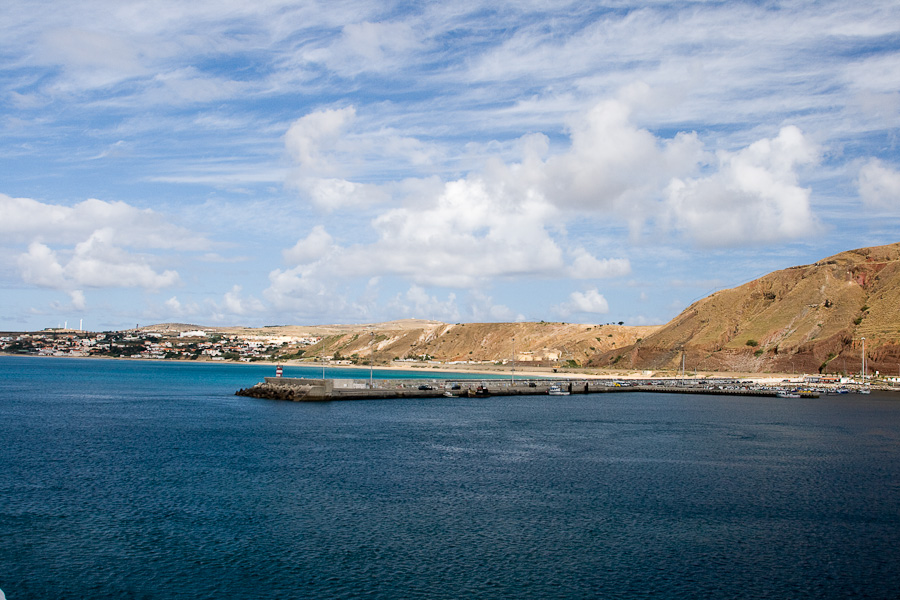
x=372 y=362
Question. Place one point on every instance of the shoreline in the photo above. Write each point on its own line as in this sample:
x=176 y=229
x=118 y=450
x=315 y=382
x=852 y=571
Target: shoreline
x=540 y=372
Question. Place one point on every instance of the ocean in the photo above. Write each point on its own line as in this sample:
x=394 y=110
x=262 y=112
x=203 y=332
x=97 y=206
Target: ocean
x=147 y=480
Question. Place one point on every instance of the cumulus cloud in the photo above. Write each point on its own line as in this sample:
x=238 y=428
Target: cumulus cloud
x=586 y=266
x=507 y=219
x=92 y=244
x=174 y=305
x=306 y=292
x=25 y=219
x=590 y=302
x=473 y=231
x=502 y=221
x=39 y=266
x=235 y=304
x=753 y=196
x=310 y=138
x=79 y=302
x=332 y=193
x=612 y=163
x=331 y=158
x=879 y=186
x=93 y=263
x=417 y=302
x=481 y=307
x=309 y=249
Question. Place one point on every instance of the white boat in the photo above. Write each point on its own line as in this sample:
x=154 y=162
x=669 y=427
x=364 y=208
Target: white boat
x=788 y=395
x=555 y=390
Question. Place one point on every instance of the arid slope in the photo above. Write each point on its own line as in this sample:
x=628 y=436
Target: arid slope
x=547 y=344
x=804 y=319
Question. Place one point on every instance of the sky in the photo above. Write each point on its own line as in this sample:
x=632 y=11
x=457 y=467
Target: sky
x=272 y=162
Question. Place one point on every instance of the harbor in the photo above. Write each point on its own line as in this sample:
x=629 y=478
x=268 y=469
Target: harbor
x=299 y=389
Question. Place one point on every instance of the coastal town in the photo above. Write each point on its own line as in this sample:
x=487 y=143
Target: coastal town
x=185 y=345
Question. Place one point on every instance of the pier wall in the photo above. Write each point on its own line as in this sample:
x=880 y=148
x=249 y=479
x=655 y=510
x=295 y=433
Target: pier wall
x=319 y=390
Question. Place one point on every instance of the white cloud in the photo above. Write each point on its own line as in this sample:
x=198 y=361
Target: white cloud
x=309 y=249
x=25 y=219
x=879 y=186
x=311 y=138
x=613 y=164
x=78 y=300
x=92 y=244
x=334 y=193
x=367 y=47
x=585 y=266
x=416 y=302
x=173 y=308
x=235 y=304
x=307 y=292
x=497 y=222
x=90 y=58
x=424 y=115
x=333 y=158
x=95 y=262
x=174 y=305
x=752 y=197
x=39 y=266
x=481 y=308
x=472 y=232
x=589 y=302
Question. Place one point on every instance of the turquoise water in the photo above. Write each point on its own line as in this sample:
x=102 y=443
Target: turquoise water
x=127 y=479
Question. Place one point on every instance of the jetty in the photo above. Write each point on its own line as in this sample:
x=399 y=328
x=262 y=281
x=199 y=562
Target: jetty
x=298 y=389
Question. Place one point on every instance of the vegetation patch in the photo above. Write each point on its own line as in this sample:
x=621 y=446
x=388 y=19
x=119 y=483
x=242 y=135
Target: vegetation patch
x=824 y=365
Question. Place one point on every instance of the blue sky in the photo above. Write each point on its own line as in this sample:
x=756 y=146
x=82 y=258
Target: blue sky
x=267 y=163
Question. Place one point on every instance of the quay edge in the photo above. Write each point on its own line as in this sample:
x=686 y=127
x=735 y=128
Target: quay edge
x=326 y=390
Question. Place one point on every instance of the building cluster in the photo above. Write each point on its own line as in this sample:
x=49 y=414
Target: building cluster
x=197 y=345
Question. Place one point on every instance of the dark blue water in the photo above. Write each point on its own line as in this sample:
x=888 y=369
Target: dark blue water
x=145 y=480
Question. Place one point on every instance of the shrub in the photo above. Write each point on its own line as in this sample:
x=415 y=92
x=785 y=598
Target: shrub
x=752 y=343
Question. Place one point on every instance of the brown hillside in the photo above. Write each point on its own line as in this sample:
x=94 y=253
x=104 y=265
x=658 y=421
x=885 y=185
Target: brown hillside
x=802 y=319
x=545 y=344
x=537 y=343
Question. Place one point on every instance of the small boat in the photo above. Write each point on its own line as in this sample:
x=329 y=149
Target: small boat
x=555 y=390
x=788 y=395
x=863 y=391
x=449 y=394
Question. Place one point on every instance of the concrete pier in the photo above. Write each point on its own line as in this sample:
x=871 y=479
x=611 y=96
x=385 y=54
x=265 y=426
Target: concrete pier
x=325 y=390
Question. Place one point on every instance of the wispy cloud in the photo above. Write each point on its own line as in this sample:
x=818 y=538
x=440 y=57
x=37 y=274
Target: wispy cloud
x=443 y=150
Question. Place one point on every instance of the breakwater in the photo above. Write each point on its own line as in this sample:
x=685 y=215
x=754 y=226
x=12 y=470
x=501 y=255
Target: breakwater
x=325 y=390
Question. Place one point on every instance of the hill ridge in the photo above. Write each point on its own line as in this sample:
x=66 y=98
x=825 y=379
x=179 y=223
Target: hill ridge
x=804 y=318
